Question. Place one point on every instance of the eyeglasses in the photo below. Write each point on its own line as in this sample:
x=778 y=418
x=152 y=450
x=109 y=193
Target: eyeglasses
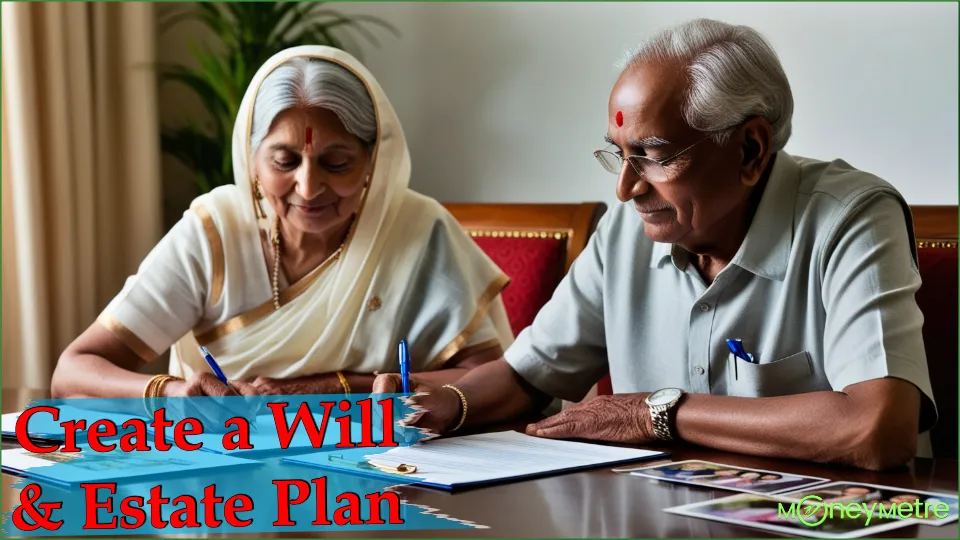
x=651 y=170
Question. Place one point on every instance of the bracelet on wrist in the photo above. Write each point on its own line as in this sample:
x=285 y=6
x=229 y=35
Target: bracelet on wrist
x=463 y=405
x=344 y=383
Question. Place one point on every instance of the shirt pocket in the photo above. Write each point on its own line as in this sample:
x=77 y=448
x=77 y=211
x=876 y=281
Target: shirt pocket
x=790 y=375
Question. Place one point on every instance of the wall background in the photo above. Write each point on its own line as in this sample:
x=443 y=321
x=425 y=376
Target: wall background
x=506 y=101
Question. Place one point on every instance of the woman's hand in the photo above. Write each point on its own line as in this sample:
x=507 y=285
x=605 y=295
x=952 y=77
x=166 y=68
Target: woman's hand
x=437 y=409
x=269 y=386
x=326 y=383
x=205 y=384
x=217 y=402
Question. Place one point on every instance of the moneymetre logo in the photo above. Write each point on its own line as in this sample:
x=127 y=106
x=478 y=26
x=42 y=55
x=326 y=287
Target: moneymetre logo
x=812 y=511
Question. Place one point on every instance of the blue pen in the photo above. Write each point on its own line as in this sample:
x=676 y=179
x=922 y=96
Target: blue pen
x=743 y=352
x=223 y=378
x=736 y=347
x=405 y=367
x=213 y=365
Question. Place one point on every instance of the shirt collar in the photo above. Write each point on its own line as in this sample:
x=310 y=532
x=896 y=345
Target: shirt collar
x=659 y=253
x=662 y=252
x=765 y=250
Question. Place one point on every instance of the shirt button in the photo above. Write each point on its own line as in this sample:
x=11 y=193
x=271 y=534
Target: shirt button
x=704 y=307
x=699 y=370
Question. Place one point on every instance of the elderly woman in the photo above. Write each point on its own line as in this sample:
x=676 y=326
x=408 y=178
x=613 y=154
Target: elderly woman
x=305 y=275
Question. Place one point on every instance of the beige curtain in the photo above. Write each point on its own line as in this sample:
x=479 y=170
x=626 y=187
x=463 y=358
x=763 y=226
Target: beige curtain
x=81 y=171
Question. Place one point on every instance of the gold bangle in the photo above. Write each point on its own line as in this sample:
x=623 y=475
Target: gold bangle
x=149 y=393
x=463 y=404
x=344 y=383
x=161 y=384
x=154 y=390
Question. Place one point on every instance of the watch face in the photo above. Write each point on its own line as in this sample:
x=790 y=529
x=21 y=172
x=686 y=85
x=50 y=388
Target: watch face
x=663 y=397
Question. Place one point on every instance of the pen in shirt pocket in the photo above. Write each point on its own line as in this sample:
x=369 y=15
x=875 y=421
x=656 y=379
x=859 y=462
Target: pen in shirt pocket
x=736 y=347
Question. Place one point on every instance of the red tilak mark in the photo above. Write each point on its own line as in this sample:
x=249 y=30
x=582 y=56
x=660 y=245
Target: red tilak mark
x=309 y=136
x=619 y=118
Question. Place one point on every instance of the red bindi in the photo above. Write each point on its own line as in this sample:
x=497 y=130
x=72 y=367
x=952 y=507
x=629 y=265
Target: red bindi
x=619 y=118
x=309 y=137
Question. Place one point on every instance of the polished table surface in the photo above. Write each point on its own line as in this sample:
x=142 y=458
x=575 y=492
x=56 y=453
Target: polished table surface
x=601 y=503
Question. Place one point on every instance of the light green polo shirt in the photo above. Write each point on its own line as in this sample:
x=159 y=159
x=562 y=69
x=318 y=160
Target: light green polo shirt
x=821 y=292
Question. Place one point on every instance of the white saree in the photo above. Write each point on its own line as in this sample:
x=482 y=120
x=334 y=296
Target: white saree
x=408 y=272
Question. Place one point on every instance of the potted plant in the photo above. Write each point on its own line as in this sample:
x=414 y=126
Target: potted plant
x=246 y=34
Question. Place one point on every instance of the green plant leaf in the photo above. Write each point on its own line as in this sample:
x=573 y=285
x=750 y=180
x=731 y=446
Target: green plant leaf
x=196 y=150
x=202 y=87
x=288 y=18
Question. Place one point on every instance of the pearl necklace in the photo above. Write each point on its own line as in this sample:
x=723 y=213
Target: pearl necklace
x=276 y=256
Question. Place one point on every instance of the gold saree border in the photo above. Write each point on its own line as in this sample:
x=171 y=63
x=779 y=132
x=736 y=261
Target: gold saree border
x=216 y=250
x=265 y=309
x=127 y=336
x=483 y=305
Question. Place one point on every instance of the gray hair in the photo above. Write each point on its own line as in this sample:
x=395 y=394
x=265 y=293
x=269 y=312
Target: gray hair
x=733 y=73
x=311 y=82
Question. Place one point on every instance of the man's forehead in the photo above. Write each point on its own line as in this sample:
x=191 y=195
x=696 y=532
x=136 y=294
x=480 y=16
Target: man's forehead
x=650 y=94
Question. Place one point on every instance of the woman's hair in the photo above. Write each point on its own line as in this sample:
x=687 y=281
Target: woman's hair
x=311 y=82
x=733 y=74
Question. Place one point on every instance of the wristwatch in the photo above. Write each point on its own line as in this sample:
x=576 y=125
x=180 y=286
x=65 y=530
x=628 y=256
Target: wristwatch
x=660 y=404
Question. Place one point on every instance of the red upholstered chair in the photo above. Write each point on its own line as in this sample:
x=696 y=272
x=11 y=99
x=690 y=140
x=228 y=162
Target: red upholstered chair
x=936 y=234
x=534 y=244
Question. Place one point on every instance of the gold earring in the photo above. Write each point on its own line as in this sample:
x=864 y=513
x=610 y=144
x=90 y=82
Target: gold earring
x=257 y=198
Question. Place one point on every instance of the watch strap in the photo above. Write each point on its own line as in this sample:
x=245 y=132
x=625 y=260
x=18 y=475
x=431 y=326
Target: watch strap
x=660 y=416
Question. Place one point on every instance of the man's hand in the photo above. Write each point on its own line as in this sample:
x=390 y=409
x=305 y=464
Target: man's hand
x=617 y=418
x=438 y=409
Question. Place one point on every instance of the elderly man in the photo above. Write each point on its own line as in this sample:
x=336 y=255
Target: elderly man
x=721 y=235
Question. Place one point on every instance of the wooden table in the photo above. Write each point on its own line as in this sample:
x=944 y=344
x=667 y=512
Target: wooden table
x=601 y=503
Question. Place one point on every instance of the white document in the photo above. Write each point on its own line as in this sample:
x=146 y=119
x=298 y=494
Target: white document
x=42 y=425
x=9 y=422
x=492 y=457
x=90 y=466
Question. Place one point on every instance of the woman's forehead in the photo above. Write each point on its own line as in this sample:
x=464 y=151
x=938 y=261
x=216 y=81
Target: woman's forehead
x=314 y=123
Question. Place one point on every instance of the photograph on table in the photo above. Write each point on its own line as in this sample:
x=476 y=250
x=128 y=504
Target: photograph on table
x=720 y=476
x=927 y=507
x=773 y=513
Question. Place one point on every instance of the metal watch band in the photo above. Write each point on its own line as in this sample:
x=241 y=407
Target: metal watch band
x=661 y=422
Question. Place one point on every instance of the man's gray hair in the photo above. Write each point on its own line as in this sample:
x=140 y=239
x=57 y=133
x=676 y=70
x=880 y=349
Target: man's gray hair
x=312 y=82
x=733 y=73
